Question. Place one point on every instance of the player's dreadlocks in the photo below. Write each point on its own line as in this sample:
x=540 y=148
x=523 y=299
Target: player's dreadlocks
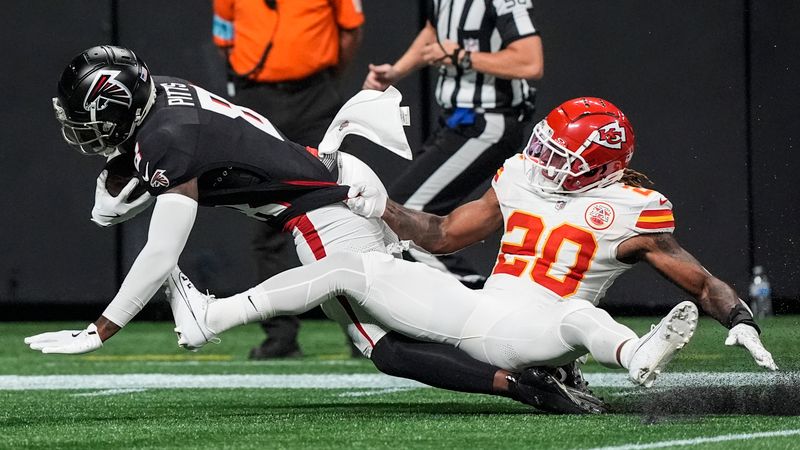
x=635 y=179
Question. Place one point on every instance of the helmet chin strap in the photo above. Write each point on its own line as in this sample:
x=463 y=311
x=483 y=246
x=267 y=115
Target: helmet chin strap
x=93 y=112
x=141 y=114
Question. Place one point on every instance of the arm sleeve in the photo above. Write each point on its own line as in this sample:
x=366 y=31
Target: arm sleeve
x=348 y=13
x=223 y=23
x=172 y=221
x=514 y=20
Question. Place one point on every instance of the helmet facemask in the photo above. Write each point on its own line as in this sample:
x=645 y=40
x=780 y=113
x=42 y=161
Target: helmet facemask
x=89 y=138
x=549 y=164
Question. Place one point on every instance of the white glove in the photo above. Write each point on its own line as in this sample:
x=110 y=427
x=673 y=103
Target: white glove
x=747 y=337
x=67 y=341
x=109 y=210
x=367 y=201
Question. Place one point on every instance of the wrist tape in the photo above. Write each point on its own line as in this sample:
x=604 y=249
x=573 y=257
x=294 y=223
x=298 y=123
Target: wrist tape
x=740 y=314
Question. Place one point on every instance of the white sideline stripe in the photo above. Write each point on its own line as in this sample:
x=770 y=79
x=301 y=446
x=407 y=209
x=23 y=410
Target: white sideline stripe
x=346 y=381
x=703 y=440
x=697 y=379
x=173 y=381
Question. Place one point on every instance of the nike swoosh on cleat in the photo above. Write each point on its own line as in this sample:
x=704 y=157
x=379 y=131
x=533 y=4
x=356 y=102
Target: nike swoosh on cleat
x=662 y=201
x=76 y=334
x=251 y=302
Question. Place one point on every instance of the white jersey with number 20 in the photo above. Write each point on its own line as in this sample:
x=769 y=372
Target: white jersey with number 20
x=565 y=246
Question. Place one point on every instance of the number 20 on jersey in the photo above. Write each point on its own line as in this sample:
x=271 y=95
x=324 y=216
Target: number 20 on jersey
x=532 y=229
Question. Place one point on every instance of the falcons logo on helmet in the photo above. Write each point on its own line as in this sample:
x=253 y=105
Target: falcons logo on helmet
x=106 y=89
x=611 y=135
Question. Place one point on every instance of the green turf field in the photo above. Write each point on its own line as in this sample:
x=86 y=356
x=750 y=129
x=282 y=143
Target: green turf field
x=133 y=394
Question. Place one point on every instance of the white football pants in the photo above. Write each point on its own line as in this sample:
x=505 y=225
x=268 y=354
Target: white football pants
x=424 y=303
x=331 y=229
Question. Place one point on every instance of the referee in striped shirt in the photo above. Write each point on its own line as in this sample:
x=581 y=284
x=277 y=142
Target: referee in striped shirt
x=485 y=51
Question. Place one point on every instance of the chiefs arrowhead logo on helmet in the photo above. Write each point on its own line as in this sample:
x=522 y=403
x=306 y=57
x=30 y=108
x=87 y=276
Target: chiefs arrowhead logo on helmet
x=106 y=89
x=611 y=135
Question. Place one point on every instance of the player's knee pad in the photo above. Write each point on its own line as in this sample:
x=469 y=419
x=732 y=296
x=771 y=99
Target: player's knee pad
x=579 y=320
x=589 y=319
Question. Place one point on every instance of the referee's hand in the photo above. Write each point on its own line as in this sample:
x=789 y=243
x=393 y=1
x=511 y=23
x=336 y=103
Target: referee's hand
x=438 y=53
x=380 y=77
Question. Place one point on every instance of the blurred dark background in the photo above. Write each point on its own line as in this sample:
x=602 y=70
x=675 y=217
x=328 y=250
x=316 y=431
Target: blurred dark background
x=711 y=87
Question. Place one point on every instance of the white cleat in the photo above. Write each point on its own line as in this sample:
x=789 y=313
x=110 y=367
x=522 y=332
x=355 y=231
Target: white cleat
x=189 y=308
x=655 y=349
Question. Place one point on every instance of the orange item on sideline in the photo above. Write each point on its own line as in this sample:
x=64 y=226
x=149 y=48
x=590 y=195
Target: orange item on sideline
x=304 y=35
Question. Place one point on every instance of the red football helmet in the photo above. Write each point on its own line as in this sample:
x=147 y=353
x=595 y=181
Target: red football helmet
x=584 y=143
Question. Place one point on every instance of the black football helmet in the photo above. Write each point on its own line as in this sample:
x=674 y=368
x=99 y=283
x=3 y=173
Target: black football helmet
x=103 y=95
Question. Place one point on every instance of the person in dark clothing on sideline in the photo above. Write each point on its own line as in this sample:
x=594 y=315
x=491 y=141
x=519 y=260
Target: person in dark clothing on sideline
x=283 y=59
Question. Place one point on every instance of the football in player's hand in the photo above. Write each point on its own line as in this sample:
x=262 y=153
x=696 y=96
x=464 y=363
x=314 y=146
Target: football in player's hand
x=120 y=171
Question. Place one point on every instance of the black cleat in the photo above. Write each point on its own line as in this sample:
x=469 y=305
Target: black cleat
x=538 y=387
x=274 y=348
x=571 y=375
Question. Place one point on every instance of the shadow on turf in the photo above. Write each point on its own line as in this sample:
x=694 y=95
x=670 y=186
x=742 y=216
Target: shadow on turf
x=779 y=399
x=438 y=409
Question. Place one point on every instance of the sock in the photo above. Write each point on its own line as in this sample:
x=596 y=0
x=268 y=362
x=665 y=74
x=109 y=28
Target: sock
x=625 y=351
x=438 y=365
x=246 y=307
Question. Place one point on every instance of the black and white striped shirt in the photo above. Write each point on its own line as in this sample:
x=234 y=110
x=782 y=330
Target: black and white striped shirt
x=480 y=26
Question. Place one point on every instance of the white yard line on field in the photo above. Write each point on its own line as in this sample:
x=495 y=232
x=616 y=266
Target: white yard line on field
x=702 y=440
x=345 y=381
x=105 y=392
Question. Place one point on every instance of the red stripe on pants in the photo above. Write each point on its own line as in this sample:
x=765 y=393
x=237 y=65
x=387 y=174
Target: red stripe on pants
x=310 y=234
x=306 y=228
x=352 y=314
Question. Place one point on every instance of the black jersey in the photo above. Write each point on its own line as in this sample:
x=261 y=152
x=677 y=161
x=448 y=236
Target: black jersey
x=238 y=157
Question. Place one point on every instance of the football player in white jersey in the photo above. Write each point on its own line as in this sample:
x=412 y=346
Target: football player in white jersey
x=575 y=218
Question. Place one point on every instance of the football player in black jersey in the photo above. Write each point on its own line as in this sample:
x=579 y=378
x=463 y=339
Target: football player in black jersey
x=191 y=147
